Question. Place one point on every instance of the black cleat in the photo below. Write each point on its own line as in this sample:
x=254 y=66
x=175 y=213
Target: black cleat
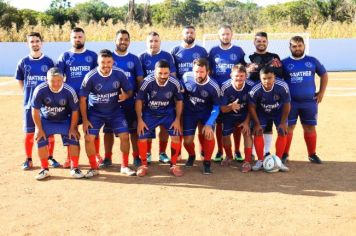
x=315 y=159
x=206 y=168
x=285 y=158
x=190 y=161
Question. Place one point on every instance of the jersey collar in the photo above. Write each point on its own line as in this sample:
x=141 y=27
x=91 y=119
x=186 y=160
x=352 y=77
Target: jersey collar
x=188 y=48
x=164 y=85
x=268 y=90
x=206 y=82
x=36 y=58
x=233 y=85
x=148 y=52
x=72 y=50
x=127 y=52
x=59 y=90
x=297 y=59
x=226 y=48
x=102 y=74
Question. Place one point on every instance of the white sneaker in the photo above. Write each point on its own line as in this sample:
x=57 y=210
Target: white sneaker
x=77 y=173
x=284 y=168
x=91 y=173
x=43 y=174
x=127 y=171
x=258 y=165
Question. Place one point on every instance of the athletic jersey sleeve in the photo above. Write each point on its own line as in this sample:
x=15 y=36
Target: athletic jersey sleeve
x=86 y=87
x=125 y=83
x=138 y=67
x=19 y=74
x=61 y=63
x=141 y=94
x=73 y=99
x=36 y=101
x=172 y=66
x=319 y=68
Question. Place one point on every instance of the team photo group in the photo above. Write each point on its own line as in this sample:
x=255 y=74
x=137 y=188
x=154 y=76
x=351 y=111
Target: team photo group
x=218 y=94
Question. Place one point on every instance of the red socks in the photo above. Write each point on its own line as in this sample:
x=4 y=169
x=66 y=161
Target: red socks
x=75 y=161
x=175 y=149
x=162 y=146
x=310 y=140
x=142 y=149
x=44 y=163
x=92 y=162
x=219 y=137
x=125 y=160
x=209 y=146
x=228 y=151
x=248 y=154
x=201 y=141
x=289 y=142
x=149 y=145
x=259 y=145
x=190 y=148
x=135 y=154
x=281 y=145
x=50 y=145
x=29 y=144
x=108 y=155
x=237 y=138
x=97 y=144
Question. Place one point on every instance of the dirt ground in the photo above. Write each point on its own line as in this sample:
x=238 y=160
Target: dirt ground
x=309 y=200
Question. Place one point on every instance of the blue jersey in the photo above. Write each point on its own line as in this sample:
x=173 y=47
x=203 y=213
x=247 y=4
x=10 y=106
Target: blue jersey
x=103 y=91
x=76 y=65
x=148 y=61
x=55 y=106
x=32 y=72
x=184 y=57
x=222 y=60
x=300 y=77
x=199 y=98
x=159 y=100
x=229 y=94
x=270 y=102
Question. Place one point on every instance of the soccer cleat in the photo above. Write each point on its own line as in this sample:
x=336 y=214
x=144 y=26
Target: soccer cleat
x=246 y=167
x=258 y=165
x=238 y=157
x=315 y=159
x=206 y=168
x=91 y=173
x=142 y=171
x=283 y=168
x=54 y=163
x=44 y=173
x=149 y=158
x=127 y=171
x=163 y=158
x=226 y=162
x=137 y=162
x=190 y=161
x=106 y=163
x=99 y=159
x=77 y=173
x=67 y=163
x=176 y=171
x=285 y=158
x=27 y=165
x=218 y=157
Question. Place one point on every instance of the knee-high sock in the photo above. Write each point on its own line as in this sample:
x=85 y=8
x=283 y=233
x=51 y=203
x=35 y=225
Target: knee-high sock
x=142 y=149
x=228 y=151
x=281 y=145
x=190 y=148
x=268 y=138
x=310 y=140
x=208 y=149
x=50 y=145
x=237 y=138
x=175 y=150
x=248 y=154
x=259 y=143
x=29 y=144
x=97 y=144
x=289 y=142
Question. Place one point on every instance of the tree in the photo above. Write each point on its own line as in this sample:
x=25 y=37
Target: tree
x=61 y=12
x=93 y=10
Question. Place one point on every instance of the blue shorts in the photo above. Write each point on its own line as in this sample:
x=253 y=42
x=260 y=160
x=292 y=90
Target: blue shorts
x=230 y=121
x=57 y=127
x=28 y=124
x=131 y=118
x=307 y=111
x=116 y=123
x=267 y=119
x=153 y=121
x=191 y=121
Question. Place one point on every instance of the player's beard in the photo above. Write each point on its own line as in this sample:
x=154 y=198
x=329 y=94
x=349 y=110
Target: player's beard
x=201 y=80
x=225 y=43
x=298 y=54
x=261 y=48
x=79 y=46
x=189 y=40
x=162 y=80
x=119 y=48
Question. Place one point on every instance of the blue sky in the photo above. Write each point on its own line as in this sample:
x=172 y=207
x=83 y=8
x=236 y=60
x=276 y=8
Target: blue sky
x=42 y=5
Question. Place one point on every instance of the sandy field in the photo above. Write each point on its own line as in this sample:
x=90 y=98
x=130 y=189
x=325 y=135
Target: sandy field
x=309 y=200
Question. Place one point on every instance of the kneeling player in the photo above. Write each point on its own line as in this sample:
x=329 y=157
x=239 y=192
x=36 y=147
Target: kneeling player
x=159 y=102
x=269 y=101
x=201 y=106
x=235 y=113
x=55 y=111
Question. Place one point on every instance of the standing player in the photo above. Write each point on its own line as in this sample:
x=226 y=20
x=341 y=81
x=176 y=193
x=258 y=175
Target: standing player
x=300 y=71
x=201 y=106
x=159 y=102
x=260 y=58
x=30 y=72
x=131 y=66
x=75 y=64
x=234 y=107
x=105 y=87
x=55 y=108
x=269 y=100
x=222 y=58
x=148 y=60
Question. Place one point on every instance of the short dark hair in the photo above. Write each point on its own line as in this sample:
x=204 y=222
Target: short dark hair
x=77 y=30
x=53 y=72
x=189 y=27
x=239 y=68
x=296 y=39
x=34 y=34
x=122 y=31
x=153 y=33
x=267 y=70
x=225 y=27
x=162 y=64
x=105 y=53
x=201 y=62
x=261 y=34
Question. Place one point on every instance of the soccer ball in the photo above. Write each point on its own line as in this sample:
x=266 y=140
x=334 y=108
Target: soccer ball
x=272 y=163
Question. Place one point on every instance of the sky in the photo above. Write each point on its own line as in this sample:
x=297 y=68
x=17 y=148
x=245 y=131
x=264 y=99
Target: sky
x=42 y=5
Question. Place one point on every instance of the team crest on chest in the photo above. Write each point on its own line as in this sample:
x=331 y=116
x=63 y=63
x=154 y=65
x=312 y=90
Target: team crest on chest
x=168 y=95
x=98 y=87
x=27 y=68
x=116 y=84
x=148 y=62
x=204 y=93
x=290 y=66
x=233 y=57
x=89 y=59
x=308 y=64
x=70 y=61
x=189 y=87
x=130 y=65
x=179 y=55
x=153 y=94
x=63 y=102
x=44 y=68
x=47 y=100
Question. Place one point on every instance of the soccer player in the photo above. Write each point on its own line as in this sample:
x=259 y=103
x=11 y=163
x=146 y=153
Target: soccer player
x=269 y=100
x=30 y=72
x=222 y=58
x=201 y=106
x=131 y=66
x=234 y=106
x=148 y=60
x=75 y=64
x=260 y=58
x=105 y=87
x=300 y=70
x=159 y=102
x=55 y=108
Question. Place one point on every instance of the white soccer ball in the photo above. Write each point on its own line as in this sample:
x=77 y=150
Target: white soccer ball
x=272 y=163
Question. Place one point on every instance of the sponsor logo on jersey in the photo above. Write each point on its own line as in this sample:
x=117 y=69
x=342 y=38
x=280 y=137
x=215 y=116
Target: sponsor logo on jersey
x=196 y=55
x=47 y=100
x=70 y=61
x=153 y=94
x=148 y=62
x=98 y=87
x=308 y=64
x=290 y=66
